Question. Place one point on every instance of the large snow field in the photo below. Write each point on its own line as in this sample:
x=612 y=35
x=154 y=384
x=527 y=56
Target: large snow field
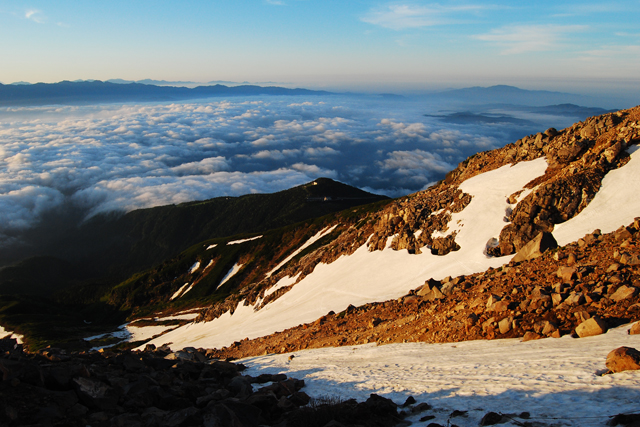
x=556 y=380
x=373 y=276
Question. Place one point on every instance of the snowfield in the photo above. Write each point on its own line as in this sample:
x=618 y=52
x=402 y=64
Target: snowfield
x=558 y=381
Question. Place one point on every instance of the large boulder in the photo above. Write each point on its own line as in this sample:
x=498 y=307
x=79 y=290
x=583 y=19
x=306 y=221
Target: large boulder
x=623 y=359
x=536 y=247
x=591 y=327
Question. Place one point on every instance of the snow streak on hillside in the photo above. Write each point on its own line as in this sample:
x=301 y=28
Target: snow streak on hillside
x=374 y=276
x=556 y=380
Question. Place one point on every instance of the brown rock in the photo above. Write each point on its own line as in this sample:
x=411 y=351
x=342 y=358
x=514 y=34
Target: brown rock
x=623 y=359
x=591 y=327
x=530 y=336
x=505 y=325
x=536 y=247
x=624 y=292
x=566 y=273
x=635 y=329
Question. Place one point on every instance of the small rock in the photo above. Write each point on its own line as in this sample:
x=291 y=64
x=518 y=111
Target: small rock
x=635 y=329
x=490 y=419
x=530 y=336
x=410 y=401
x=623 y=359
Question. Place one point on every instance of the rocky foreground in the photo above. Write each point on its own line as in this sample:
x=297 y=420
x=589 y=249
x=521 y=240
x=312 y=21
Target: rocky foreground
x=158 y=387
x=581 y=289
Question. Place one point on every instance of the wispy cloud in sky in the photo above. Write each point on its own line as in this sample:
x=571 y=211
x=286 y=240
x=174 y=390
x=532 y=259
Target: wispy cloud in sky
x=516 y=39
x=275 y=2
x=35 y=16
x=399 y=16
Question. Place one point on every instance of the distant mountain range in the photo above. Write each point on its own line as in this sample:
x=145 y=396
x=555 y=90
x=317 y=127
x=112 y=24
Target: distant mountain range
x=82 y=92
x=509 y=94
x=148 y=90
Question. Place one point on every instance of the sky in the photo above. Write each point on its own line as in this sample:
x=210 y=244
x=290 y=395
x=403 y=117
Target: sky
x=356 y=44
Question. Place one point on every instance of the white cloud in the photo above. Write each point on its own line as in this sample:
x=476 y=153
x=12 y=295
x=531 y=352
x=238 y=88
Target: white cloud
x=420 y=166
x=517 y=39
x=402 y=16
x=114 y=157
x=35 y=16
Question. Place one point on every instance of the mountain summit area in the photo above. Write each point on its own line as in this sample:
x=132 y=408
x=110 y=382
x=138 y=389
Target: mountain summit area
x=537 y=239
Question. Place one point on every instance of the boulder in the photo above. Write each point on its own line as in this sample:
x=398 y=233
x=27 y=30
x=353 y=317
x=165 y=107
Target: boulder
x=635 y=329
x=590 y=327
x=505 y=324
x=566 y=273
x=624 y=292
x=536 y=247
x=623 y=359
x=530 y=336
x=430 y=291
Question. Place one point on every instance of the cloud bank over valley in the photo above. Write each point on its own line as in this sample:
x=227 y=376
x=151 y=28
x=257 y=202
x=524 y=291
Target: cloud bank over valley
x=106 y=158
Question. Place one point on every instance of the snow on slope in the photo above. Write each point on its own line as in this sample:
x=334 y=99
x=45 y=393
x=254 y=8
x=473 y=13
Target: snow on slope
x=237 y=242
x=374 y=276
x=617 y=203
x=177 y=293
x=4 y=333
x=319 y=235
x=232 y=272
x=550 y=378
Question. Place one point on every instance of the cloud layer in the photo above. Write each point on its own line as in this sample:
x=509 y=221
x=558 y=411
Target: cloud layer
x=105 y=158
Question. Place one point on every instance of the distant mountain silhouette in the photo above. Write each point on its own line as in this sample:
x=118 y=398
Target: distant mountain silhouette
x=82 y=92
x=509 y=95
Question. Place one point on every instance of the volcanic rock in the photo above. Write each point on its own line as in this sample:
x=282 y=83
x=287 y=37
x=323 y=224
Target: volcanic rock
x=623 y=359
x=536 y=247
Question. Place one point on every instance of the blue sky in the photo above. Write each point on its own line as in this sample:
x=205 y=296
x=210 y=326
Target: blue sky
x=354 y=44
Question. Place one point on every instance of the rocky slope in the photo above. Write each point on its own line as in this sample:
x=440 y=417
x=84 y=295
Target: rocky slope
x=562 y=171
x=578 y=158
x=596 y=278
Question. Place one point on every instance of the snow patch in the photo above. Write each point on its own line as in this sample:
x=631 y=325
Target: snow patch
x=236 y=242
x=282 y=283
x=188 y=289
x=211 y=246
x=308 y=243
x=17 y=337
x=232 y=272
x=178 y=292
x=194 y=267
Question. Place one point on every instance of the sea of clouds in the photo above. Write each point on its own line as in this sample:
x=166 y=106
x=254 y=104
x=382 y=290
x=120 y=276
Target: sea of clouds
x=103 y=158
